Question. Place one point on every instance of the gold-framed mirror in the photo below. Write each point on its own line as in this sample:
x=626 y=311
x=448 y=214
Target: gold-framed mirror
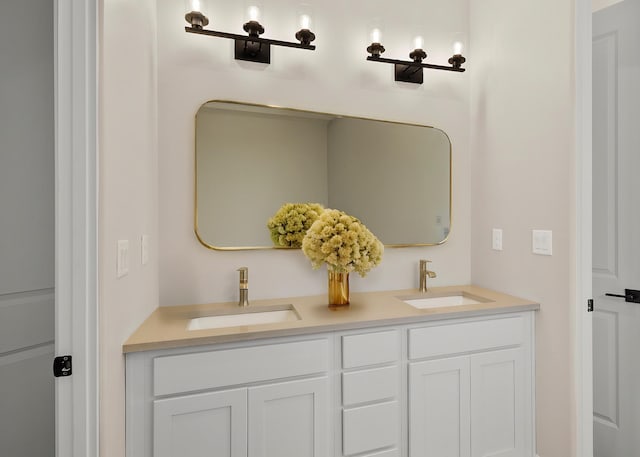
x=251 y=159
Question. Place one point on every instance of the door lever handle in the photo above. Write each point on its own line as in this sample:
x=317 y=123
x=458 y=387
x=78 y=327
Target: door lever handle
x=630 y=295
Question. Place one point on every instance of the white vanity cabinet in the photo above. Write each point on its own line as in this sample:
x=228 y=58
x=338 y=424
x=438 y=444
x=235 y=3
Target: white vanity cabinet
x=265 y=400
x=437 y=388
x=470 y=388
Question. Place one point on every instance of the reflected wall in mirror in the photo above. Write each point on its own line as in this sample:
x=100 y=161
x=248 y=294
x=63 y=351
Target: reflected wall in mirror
x=250 y=160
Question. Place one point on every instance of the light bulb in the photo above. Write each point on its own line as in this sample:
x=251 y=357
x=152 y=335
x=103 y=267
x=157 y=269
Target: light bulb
x=254 y=13
x=305 y=21
x=418 y=42
x=376 y=35
x=457 y=48
x=194 y=13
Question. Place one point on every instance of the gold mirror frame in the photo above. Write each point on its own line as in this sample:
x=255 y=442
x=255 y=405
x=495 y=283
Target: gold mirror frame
x=291 y=111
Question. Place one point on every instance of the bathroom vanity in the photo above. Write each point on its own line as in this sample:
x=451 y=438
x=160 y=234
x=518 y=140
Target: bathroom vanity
x=382 y=378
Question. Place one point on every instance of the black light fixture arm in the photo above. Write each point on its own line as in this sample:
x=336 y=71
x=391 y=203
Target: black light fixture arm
x=252 y=39
x=410 y=71
x=409 y=63
x=249 y=47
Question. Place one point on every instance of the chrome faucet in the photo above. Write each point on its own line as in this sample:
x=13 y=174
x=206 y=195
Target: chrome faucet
x=424 y=273
x=244 y=286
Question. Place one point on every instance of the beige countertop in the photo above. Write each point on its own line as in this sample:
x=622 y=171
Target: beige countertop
x=166 y=327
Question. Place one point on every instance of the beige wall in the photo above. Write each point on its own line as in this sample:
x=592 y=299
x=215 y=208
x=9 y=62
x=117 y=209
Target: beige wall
x=521 y=153
x=128 y=195
x=337 y=79
x=523 y=157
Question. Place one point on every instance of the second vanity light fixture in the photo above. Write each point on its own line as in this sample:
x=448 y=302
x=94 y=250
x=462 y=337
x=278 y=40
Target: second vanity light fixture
x=250 y=47
x=411 y=71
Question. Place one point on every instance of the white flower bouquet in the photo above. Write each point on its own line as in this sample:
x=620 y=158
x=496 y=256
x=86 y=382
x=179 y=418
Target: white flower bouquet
x=291 y=222
x=343 y=243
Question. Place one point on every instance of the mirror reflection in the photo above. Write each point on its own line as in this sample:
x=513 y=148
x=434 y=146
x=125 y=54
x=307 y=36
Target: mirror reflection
x=250 y=160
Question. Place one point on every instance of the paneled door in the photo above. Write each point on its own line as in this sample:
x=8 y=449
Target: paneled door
x=440 y=408
x=208 y=424
x=497 y=404
x=616 y=229
x=289 y=419
x=27 y=421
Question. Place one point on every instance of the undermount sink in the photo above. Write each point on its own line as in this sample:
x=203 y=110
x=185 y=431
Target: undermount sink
x=453 y=299
x=248 y=316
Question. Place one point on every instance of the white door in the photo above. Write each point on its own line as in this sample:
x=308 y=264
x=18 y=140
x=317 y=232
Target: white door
x=616 y=229
x=26 y=229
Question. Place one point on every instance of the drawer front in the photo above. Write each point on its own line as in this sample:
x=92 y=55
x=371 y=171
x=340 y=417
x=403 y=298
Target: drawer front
x=370 y=427
x=208 y=370
x=439 y=340
x=370 y=349
x=370 y=385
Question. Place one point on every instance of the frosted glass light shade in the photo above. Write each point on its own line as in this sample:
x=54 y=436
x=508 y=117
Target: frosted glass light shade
x=376 y=35
x=458 y=47
x=254 y=12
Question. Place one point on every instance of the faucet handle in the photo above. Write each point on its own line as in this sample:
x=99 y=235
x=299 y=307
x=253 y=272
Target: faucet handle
x=423 y=264
x=244 y=287
x=244 y=277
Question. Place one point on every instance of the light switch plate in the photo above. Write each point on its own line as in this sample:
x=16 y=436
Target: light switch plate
x=122 y=261
x=144 y=249
x=542 y=242
x=496 y=239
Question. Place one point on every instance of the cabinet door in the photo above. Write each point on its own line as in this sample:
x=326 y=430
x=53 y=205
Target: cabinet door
x=201 y=425
x=289 y=419
x=497 y=404
x=439 y=408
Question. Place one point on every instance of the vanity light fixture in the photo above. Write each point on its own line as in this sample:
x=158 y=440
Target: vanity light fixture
x=411 y=71
x=250 y=47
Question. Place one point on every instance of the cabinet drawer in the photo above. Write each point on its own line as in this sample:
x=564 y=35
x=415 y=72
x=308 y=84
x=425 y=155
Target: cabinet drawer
x=369 y=385
x=208 y=370
x=370 y=427
x=438 y=340
x=370 y=349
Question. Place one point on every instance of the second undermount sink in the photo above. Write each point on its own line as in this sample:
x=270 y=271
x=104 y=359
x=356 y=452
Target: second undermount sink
x=453 y=299
x=245 y=316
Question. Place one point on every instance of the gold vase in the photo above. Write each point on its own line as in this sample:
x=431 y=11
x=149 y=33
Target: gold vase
x=338 y=289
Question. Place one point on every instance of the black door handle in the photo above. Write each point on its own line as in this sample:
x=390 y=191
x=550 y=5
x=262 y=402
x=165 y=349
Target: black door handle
x=630 y=295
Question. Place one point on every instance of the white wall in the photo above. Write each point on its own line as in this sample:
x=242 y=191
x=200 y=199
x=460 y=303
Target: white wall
x=335 y=78
x=522 y=157
x=128 y=195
